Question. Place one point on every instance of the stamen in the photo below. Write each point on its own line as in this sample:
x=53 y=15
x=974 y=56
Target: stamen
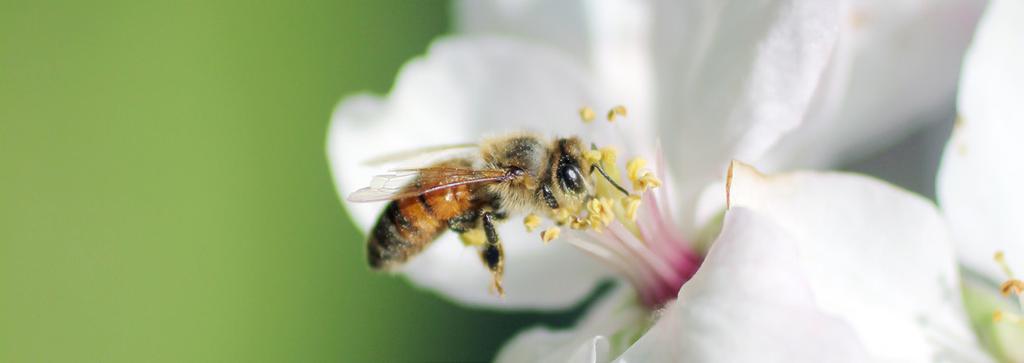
x=631 y=205
x=550 y=234
x=579 y=223
x=532 y=221
x=601 y=213
x=642 y=179
x=1001 y=260
x=633 y=169
x=562 y=216
x=999 y=316
x=1012 y=286
x=587 y=114
x=608 y=156
x=629 y=232
x=648 y=181
x=616 y=111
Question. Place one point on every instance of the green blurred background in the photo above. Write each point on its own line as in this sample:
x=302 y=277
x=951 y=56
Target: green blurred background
x=164 y=193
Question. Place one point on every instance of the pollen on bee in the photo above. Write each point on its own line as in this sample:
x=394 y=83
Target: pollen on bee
x=616 y=111
x=550 y=234
x=473 y=237
x=531 y=221
x=587 y=114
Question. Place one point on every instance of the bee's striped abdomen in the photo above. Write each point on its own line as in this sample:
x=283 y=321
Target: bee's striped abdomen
x=409 y=224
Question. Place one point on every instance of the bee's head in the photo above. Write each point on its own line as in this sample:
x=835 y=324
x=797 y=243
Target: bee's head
x=570 y=172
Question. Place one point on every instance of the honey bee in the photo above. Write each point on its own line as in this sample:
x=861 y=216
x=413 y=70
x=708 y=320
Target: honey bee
x=504 y=176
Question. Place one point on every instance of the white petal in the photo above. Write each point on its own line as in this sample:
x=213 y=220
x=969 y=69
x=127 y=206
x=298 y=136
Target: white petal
x=981 y=181
x=735 y=76
x=603 y=333
x=611 y=37
x=876 y=256
x=750 y=302
x=463 y=89
x=562 y=24
x=895 y=69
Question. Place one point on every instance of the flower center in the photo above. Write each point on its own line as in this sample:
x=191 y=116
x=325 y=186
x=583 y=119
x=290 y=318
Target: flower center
x=632 y=233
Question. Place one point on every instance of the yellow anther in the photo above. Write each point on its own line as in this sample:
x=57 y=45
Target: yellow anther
x=562 y=216
x=531 y=221
x=608 y=155
x=631 y=205
x=473 y=237
x=1012 y=286
x=997 y=316
x=550 y=234
x=637 y=174
x=616 y=111
x=642 y=179
x=648 y=181
x=579 y=223
x=593 y=156
x=633 y=168
x=600 y=213
x=587 y=114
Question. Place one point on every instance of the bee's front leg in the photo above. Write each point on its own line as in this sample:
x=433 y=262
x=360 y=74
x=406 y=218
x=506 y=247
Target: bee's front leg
x=493 y=254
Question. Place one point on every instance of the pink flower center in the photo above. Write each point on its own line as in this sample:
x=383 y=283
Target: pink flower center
x=657 y=260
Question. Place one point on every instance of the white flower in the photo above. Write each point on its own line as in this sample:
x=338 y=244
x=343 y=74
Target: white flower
x=981 y=184
x=713 y=81
x=809 y=267
x=895 y=64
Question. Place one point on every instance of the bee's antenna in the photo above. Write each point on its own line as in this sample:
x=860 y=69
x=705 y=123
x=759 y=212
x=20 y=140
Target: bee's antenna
x=608 y=178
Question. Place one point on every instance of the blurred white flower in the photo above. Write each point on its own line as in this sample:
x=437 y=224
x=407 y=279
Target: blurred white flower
x=833 y=270
x=981 y=184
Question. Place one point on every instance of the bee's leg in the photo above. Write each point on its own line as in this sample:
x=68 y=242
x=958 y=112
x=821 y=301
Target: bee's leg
x=493 y=254
x=464 y=223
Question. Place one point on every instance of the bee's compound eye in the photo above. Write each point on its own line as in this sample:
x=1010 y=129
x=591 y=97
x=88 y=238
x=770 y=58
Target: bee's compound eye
x=570 y=177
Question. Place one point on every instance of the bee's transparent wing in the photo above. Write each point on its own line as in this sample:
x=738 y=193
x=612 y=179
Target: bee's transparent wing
x=415 y=153
x=384 y=187
x=405 y=183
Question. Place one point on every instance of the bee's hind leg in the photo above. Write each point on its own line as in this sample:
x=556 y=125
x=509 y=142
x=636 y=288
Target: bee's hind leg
x=478 y=229
x=493 y=254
